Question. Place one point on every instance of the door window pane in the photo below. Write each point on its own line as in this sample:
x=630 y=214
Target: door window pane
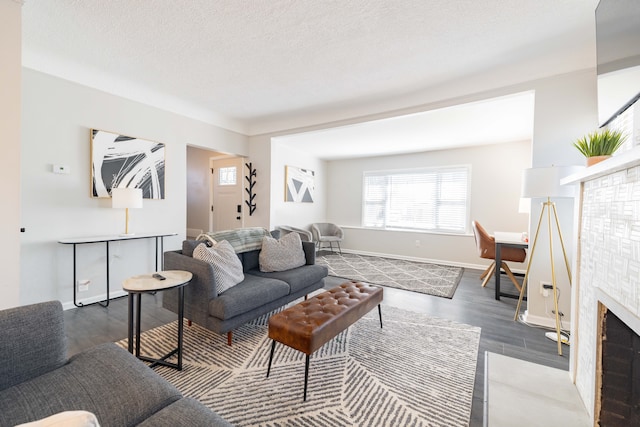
x=227 y=176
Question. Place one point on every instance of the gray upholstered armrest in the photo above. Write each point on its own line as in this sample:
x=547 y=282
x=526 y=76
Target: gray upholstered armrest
x=198 y=292
x=202 y=284
x=309 y=249
x=33 y=342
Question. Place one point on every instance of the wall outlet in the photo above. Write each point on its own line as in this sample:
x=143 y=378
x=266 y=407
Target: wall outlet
x=545 y=287
x=83 y=285
x=417 y=243
x=64 y=169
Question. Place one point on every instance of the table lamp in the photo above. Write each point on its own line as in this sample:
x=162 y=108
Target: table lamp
x=127 y=198
x=544 y=183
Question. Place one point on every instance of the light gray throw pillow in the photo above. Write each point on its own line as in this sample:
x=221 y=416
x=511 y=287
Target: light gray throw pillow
x=66 y=419
x=282 y=254
x=227 y=268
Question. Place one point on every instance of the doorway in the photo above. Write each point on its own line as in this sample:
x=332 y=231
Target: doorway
x=203 y=200
x=226 y=194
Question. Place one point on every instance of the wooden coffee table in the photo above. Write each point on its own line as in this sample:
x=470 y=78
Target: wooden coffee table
x=146 y=283
x=309 y=325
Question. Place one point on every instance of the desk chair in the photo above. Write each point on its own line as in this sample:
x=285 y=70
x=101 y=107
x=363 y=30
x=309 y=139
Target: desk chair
x=486 y=245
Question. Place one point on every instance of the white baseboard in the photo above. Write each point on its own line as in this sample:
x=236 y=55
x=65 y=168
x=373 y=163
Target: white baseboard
x=544 y=321
x=98 y=298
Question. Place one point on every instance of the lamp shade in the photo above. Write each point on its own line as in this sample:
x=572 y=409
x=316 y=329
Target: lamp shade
x=126 y=198
x=540 y=183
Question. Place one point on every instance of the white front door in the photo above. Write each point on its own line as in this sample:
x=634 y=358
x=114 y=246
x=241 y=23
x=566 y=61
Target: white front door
x=226 y=207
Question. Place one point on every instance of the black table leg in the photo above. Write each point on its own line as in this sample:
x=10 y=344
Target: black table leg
x=176 y=351
x=131 y=323
x=180 y=325
x=138 y=307
x=306 y=376
x=380 y=315
x=75 y=283
x=107 y=301
x=273 y=347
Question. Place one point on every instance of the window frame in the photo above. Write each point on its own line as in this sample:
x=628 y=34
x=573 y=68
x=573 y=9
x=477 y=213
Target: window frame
x=408 y=171
x=227 y=183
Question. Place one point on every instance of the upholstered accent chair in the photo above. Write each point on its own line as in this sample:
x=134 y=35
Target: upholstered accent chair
x=486 y=245
x=305 y=235
x=326 y=232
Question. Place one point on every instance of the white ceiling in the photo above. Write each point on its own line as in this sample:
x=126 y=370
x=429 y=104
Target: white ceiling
x=493 y=121
x=248 y=65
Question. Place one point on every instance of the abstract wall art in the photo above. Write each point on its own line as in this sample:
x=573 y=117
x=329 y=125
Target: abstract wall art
x=125 y=161
x=299 y=185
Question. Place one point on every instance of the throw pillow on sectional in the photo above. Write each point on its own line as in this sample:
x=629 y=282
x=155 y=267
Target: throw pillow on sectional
x=227 y=268
x=281 y=254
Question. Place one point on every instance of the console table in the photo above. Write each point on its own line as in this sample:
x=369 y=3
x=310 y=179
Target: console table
x=108 y=239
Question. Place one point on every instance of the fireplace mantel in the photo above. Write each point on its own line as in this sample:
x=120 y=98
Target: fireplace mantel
x=614 y=164
x=608 y=260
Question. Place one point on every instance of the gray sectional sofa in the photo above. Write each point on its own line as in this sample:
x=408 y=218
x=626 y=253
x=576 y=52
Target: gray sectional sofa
x=37 y=380
x=258 y=294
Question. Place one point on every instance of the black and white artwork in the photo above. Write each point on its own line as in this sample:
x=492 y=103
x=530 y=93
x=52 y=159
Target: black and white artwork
x=125 y=161
x=299 y=185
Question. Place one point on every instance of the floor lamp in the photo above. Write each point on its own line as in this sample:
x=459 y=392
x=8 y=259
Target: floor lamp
x=544 y=183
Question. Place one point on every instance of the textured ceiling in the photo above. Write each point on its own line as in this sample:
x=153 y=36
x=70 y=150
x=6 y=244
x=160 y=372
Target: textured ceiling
x=248 y=65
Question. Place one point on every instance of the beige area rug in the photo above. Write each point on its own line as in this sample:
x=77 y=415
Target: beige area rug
x=422 y=277
x=416 y=370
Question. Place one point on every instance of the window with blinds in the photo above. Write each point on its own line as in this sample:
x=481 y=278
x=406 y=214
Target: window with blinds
x=433 y=199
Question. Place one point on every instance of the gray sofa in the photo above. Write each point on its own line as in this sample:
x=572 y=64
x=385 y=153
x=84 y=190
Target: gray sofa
x=37 y=379
x=258 y=294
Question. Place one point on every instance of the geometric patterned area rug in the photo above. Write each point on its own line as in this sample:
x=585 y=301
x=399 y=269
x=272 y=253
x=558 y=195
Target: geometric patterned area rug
x=416 y=370
x=422 y=277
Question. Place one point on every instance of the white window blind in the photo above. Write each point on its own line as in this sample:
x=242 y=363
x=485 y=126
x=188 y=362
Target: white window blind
x=433 y=199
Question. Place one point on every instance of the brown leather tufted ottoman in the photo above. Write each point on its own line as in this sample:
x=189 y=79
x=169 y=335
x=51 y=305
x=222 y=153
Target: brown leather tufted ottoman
x=307 y=326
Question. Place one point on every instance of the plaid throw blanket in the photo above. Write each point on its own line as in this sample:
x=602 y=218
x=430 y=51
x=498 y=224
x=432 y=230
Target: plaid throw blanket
x=242 y=239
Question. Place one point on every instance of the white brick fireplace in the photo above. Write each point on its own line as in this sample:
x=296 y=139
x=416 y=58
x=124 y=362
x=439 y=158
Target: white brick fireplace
x=608 y=273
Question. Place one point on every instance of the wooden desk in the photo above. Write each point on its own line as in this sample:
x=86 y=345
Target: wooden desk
x=509 y=239
x=107 y=239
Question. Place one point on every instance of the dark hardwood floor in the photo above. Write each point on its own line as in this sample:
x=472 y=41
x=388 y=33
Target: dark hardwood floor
x=471 y=304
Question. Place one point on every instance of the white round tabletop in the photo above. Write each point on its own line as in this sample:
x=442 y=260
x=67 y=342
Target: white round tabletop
x=148 y=283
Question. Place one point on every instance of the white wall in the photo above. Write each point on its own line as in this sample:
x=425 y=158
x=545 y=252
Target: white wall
x=260 y=157
x=10 y=76
x=56 y=118
x=495 y=193
x=198 y=179
x=291 y=213
x=565 y=109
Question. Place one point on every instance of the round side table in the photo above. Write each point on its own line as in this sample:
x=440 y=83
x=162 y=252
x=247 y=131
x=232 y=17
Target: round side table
x=147 y=283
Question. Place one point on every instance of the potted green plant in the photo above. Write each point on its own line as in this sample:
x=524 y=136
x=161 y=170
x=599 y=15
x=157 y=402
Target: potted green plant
x=600 y=145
